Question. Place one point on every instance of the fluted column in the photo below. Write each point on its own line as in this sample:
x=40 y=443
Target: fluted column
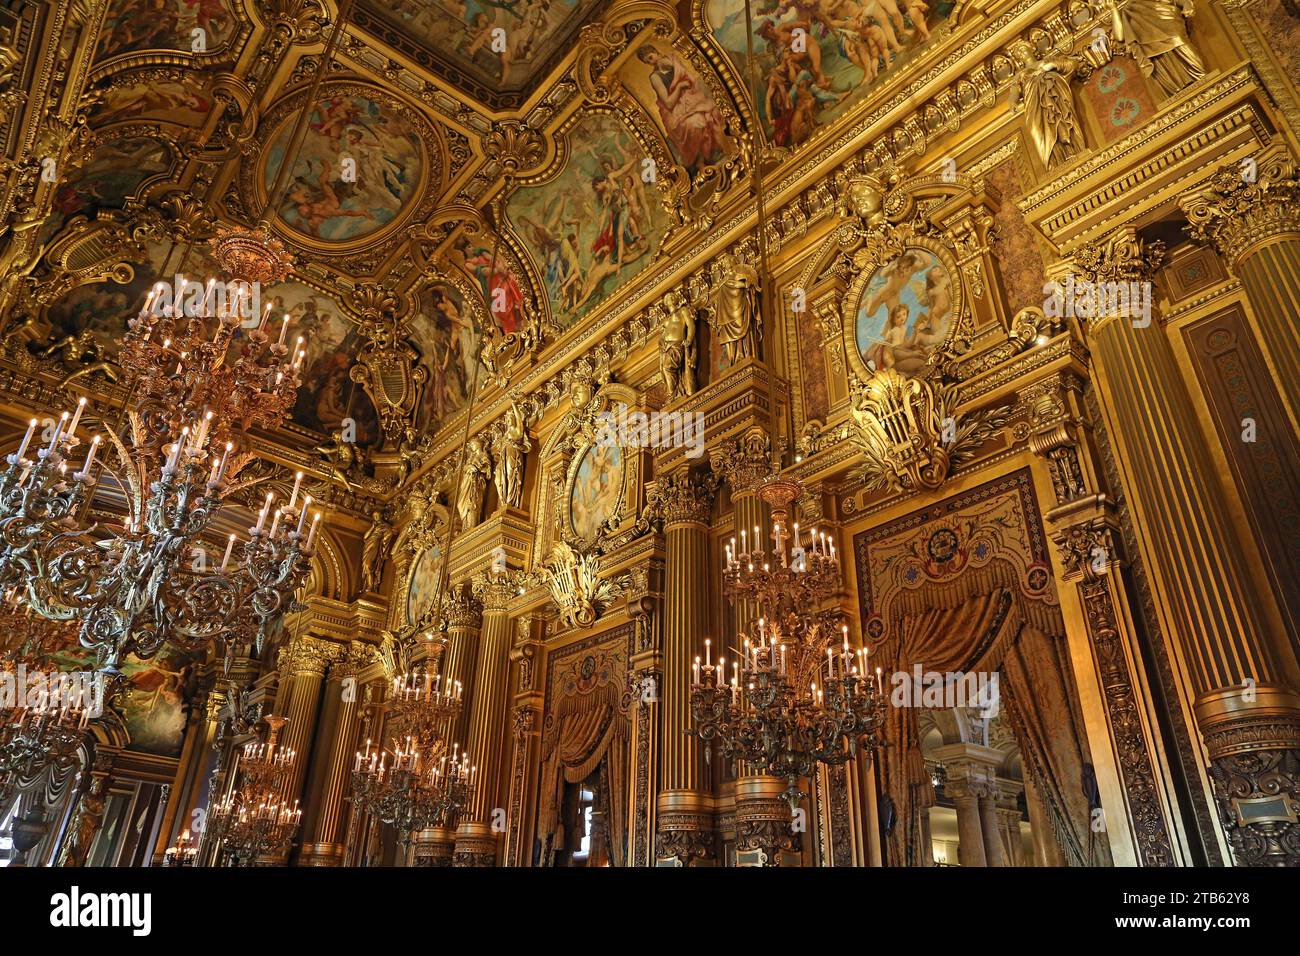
x=476 y=840
x=1047 y=852
x=302 y=666
x=1238 y=660
x=525 y=718
x=324 y=839
x=685 y=827
x=464 y=616
x=1251 y=216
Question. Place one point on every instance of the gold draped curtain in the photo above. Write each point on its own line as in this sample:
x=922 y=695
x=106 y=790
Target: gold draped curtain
x=987 y=633
x=583 y=731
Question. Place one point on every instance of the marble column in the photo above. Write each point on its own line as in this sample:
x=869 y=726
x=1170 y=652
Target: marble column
x=684 y=818
x=476 y=838
x=1253 y=222
x=1239 y=661
x=970 y=833
x=994 y=852
x=325 y=836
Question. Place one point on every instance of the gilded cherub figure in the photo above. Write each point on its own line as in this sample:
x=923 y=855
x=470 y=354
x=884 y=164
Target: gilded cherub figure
x=340 y=457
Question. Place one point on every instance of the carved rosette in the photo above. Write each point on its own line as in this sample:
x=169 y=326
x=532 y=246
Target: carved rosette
x=1246 y=205
x=1253 y=738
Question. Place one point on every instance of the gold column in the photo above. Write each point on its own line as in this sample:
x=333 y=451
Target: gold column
x=764 y=827
x=476 y=840
x=525 y=735
x=1255 y=228
x=464 y=616
x=302 y=665
x=685 y=804
x=324 y=839
x=1237 y=658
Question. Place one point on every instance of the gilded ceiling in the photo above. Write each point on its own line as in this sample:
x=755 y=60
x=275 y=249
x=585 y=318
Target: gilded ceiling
x=499 y=196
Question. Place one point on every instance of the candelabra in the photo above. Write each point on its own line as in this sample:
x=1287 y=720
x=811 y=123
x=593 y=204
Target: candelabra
x=183 y=852
x=425 y=785
x=203 y=370
x=47 y=727
x=256 y=820
x=794 y=699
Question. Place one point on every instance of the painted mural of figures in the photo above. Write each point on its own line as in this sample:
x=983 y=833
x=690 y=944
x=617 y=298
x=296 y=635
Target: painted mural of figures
x=843 y=47
x=132 y=25
x=739 y=327
x=687 y=111
x=1041 y=86
x=473 y=484
x=1155 y=32
x=498 y=284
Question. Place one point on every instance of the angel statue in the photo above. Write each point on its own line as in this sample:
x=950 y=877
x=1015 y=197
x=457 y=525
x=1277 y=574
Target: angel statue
x=510 y=449
x=339 y=458
x=473 y=483
x=1041 y=86
x=739 y=327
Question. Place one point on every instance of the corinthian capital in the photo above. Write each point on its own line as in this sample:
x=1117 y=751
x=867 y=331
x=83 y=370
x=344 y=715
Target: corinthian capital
x=308 y=657
x=743 y=462
x=1120 y=257
x=1245 y=205
x=460 y=608
x=683 y=496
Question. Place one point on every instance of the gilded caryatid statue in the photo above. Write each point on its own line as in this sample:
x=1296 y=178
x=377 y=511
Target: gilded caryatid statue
x=473 y=483
x=677 y=346
x=510 y=448
x=738 y=324
x=374 y=552
x=1155 y=33
x=8 y=58
x=1041 y=87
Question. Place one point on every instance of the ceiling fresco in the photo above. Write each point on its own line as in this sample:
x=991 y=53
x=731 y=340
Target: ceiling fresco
x=499 y=45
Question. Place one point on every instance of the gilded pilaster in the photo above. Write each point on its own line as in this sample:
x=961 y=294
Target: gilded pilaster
x=684 y=808
x=324 y=834
x=525 y=742
x=476 y=841
x=1250 y=215
x=1226 y=628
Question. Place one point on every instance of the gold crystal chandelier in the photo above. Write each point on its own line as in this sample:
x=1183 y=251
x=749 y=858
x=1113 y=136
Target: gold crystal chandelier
x=794 y=699
x=255 y=820
x=419 y=782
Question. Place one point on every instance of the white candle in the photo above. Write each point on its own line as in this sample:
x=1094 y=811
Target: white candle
x=276 y=520
x=284 y=329
x=225 y=560
x=225 y=459
x=58 y=430
x=297 y=483
x=31 y=430
x=311 y=535
x=707 y=644
x=261 y=518
x=90 y=455
x=302 y=515
x=76 y=417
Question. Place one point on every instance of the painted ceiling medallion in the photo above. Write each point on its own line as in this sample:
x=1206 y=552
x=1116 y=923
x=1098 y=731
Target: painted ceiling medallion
x=365 y=164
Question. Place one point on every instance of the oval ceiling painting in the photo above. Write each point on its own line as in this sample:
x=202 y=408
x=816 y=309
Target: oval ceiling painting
x=362 y=162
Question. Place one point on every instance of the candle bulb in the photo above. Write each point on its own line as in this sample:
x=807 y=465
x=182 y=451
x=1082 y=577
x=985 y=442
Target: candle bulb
x=90 y=455
x=275 y=522
x=707 y=645
x=225 y=560
x=58 y=430
x=31 y=430
x=695 y=671
x=302 y=515
x=76 y=417
x=225 y=459
x=311 y=535
x=297 y=483
x=284 y=329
